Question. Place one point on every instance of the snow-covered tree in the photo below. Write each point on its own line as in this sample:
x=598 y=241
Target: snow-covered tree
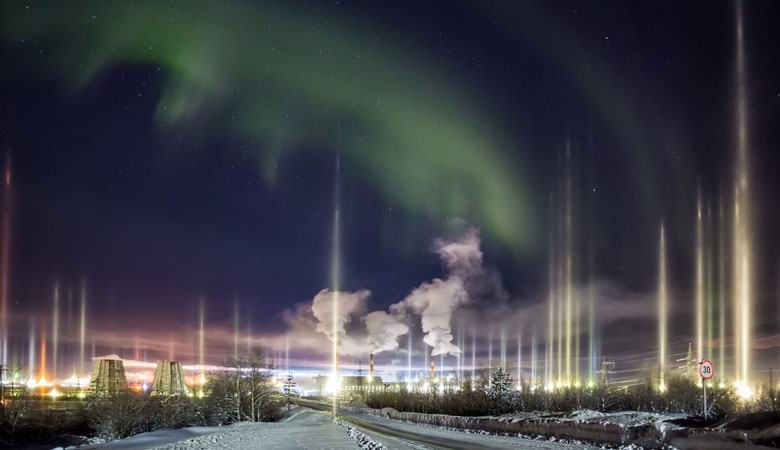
x=501 y=384
x=247 y=389
x=289 y=389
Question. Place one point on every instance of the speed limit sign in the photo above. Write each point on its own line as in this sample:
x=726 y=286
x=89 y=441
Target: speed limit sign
x=706 y=370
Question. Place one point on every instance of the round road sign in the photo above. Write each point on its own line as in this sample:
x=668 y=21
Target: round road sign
x=706 y=370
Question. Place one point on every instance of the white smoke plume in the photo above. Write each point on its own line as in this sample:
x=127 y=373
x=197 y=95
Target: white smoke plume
x=437 y=300
x=462 y=256
x=349 y=304
x=382 y=330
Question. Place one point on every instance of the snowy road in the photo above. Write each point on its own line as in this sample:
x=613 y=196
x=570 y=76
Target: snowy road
x=311 y=429
x=395 y=434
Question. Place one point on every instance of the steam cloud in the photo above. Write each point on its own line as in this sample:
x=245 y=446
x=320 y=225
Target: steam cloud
x=437 y=300
x=382 y=329
x=349 y=304
x=434 y=301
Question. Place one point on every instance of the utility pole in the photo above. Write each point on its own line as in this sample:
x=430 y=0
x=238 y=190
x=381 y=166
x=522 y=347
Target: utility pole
x=607 y=367
x=690 y=365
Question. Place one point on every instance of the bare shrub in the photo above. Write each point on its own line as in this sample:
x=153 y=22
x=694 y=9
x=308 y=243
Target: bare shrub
x=118 y=416
x=26 y=419
x=682 y=396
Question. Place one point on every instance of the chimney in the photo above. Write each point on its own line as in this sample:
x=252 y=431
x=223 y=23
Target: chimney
x=370 y=367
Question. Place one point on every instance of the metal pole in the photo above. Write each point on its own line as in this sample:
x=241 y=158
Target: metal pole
x=704 y=383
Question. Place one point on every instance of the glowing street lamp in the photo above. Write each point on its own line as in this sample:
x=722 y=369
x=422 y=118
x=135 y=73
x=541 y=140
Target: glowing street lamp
x=744 y=391
x=333 y=385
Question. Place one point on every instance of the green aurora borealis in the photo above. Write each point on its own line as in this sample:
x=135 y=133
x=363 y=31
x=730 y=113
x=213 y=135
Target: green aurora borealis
x=292 y=81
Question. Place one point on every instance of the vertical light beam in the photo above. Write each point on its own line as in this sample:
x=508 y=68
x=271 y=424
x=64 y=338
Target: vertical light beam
x=473 y=359
x=550 y=350
x=533 y=359
x=591 y=323
x=722 y=290
x=568 y=263
x=55 y=324
x=335 y=267
x=287 y=353
x=519 y=359
x=742 y=257
x=409 y=358
x=662 y=307
x=236 y=328
x=249 y=344
x=490 y=351
x=503 y=347
x=42 y=355
x=699 y=279
x=5 y=259
x=82 y=326
x=201 y=339
x=31 y=350
x=709 y=285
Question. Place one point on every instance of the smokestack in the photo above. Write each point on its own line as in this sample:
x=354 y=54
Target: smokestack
x=370 y=367
x=432 y=370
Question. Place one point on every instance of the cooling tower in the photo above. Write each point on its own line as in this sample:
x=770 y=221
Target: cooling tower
x=108 y=377
x=169 y=379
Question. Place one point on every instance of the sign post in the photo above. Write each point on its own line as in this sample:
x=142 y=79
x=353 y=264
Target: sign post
x=706 y=372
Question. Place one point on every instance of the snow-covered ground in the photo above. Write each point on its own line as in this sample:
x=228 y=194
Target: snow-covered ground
x=622 y=419
x=303 y=429
x=626 y=419
x=309 y=429
x=619 y=428
x=361 y=428
x=153 y=438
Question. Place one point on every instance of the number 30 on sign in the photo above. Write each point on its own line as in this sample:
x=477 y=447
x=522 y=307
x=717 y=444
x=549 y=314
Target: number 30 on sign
x=706 y=370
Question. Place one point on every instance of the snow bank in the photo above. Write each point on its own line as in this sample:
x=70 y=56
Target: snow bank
x=626 y=419
x=363 y=441
x=308 y=430
x=647 y=430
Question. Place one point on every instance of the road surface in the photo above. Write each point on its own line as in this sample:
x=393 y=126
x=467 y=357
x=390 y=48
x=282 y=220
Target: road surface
x=307 y=428
x=395 y=434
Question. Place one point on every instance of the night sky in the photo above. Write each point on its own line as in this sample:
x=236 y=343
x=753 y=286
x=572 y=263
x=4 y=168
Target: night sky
x=168 y=153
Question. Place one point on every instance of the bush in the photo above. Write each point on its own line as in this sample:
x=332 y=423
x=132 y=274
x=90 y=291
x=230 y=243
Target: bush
x=682 y=396
x=246 y=390
x=26 y=420
x=117 y=416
